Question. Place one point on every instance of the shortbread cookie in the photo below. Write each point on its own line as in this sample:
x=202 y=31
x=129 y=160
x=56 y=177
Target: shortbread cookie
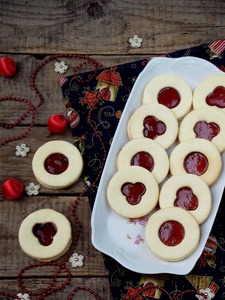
x=45 y=235
x=196 y=156
x=133 y=192
x=172 y=234
x=57 y=164
x=145 y=153
x=210 y=92
x=154 y=121
x=207 y=123
x=189 y=192
x=169 y=90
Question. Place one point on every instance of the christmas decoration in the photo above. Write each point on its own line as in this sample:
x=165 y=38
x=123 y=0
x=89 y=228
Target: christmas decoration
x=7 y=67
x=12 y=189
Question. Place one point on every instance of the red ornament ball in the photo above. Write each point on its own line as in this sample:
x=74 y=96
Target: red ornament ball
x=12 y=189
x=57 y=123
x=7 y=67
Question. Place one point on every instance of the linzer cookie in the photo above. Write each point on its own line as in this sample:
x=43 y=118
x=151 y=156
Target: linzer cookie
x=133 y=192
x=57 y=164
x=153 y=121
x=172 y=233
x=207 y=123
x=189 y=192
x=196 y=156
x=145 y=153
x=171 y=91
x=210 y=92
x=45 y=235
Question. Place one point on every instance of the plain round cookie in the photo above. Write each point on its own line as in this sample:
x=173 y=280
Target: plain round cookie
x=162 y=114
x=212 y=118
x=205 y=148
x=133 y=175
x=165 y=81
x=169 y=193
x=191 y=234
x=157 y=152
x=61 y=240
x=206 y=87
x=66 y=178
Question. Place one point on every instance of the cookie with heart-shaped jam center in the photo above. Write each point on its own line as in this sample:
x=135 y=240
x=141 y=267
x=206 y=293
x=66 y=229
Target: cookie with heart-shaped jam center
x=206 y=123
x=171 y=91
x=133 y=192
x=189 y=192
x=145 y=153
x=45 y=235
x=196 y=156
x=153 y=121
x=172 y=233
x=210 y=92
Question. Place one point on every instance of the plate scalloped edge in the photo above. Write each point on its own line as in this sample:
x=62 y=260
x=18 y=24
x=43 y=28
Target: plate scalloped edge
x=108 y=227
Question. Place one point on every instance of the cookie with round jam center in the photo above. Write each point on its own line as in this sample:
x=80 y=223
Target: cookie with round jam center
x=56 y=163
x=171 y=233
x=143 y=159
x=169 y=97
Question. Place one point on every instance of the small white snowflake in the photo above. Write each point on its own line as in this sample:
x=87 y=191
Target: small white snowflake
x=135 y=41
x=76 y=260
x=60 y=67
x=32 y=189
x=22 y=150
x=23 y=296
x=207 y=294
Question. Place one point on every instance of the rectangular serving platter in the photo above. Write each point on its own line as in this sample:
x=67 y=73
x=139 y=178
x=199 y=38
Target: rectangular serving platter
x=124 y=239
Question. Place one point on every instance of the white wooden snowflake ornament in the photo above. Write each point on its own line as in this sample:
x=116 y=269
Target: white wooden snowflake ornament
x=206 y=294
x=32 y=189
x=23 y=296
x=60 y=67
x=22 y=150
x=135 y=41
x=76 y=260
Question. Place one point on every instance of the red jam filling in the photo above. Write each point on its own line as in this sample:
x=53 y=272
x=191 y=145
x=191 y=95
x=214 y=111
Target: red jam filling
x=206 y=130
x=196 y=163
x=217 y=97
x=56 y=163
x=153 y=127
x=45 y=233
x=186 y=199
x=169 y=97
x=171 y=233
x=133 y=192
x=143 y=159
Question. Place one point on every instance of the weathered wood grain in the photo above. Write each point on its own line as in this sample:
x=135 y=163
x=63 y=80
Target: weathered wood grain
x=104 y=27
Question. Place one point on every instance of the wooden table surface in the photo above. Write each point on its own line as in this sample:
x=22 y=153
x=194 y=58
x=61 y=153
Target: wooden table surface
x=31 y=31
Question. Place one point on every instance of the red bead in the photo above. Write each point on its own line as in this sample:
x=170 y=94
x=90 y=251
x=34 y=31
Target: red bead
x=7 y=67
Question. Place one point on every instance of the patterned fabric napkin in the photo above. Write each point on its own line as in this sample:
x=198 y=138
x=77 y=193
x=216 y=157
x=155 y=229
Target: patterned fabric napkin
x=209 y=271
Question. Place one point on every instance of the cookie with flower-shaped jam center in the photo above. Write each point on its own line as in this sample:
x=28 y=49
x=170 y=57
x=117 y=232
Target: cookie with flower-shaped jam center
x=133 y=192
x=189 y=192
x=169 y=90
x=153 y=121
x=172 y=233
x=45 y=235
x=210 y=92
x=196 y=156
x=145 y=153
x=57 y=164
x=207 y=123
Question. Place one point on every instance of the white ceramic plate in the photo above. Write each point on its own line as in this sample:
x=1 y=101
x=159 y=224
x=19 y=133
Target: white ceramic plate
x=124 y=239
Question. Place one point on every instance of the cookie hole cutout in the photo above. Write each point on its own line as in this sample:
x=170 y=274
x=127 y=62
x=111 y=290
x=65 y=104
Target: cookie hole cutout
x=56 y=163
x=169 y=97
x=206 y=130
x=133 y=192
x=217 y=97
x=171 y=233
x=45 y=232
x=143 y=159
x=186 y=199
x=153 y=127
x=196 y=163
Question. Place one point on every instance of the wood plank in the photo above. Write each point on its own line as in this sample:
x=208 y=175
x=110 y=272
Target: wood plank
x=104 y=27
x=12 y=258
x=99 y=285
